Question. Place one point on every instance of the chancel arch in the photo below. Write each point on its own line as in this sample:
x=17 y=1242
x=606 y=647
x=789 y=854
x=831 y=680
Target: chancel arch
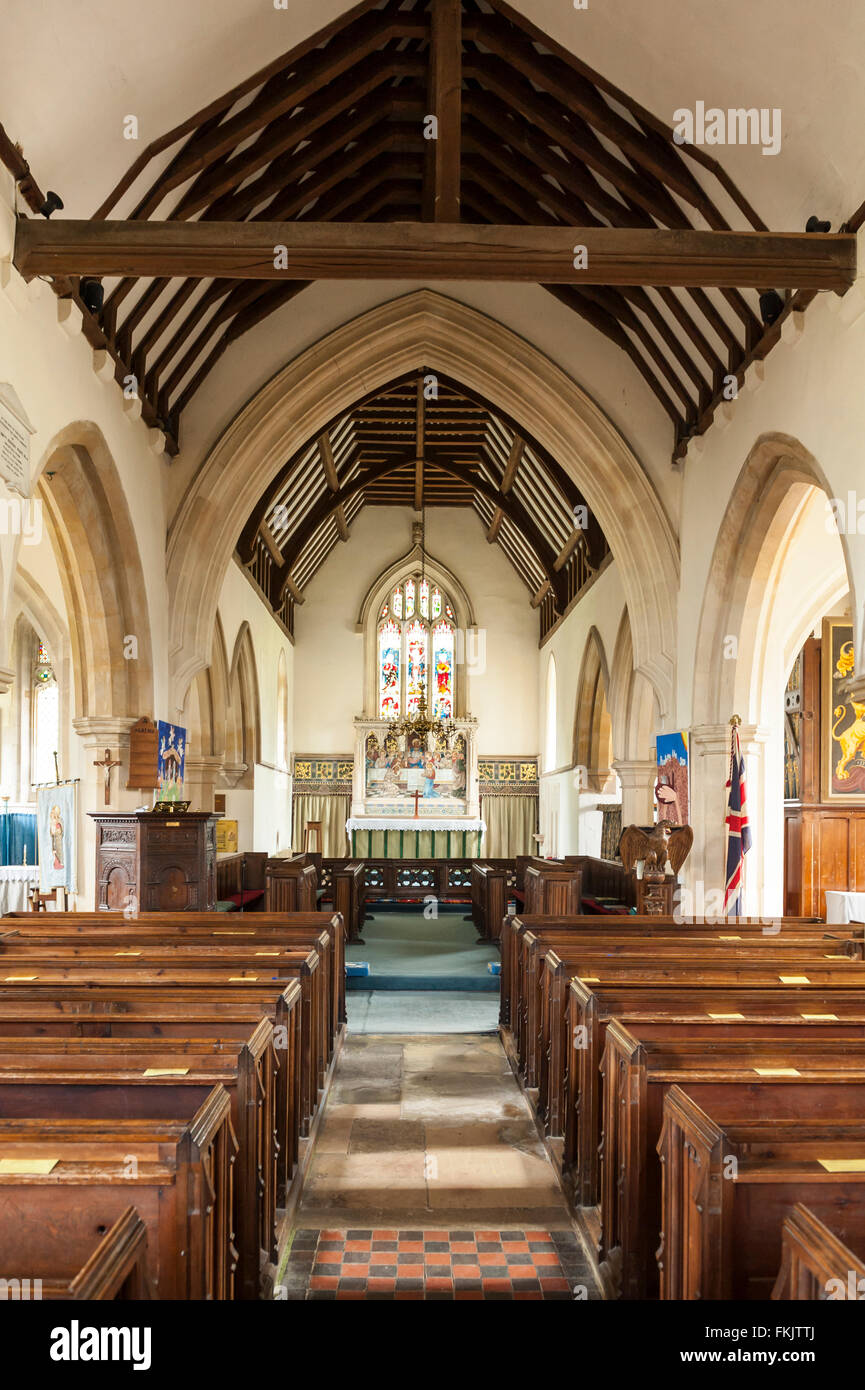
x=423 y=330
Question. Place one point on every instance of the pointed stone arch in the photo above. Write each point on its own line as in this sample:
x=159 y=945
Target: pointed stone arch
x=97 y=553
x=424 y=329
x=748 y=634
x=763 y=512
x=593 y=729
x=243 y=723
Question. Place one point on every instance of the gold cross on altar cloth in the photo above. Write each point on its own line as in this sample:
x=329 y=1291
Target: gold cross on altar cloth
x=107 y=763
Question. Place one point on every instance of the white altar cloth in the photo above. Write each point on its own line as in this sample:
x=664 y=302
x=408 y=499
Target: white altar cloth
x=16 y=881
x=414 y=823
x=845 y=907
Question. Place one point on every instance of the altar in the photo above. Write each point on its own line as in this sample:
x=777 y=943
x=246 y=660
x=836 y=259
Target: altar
x=421 y=837
x=17 y=882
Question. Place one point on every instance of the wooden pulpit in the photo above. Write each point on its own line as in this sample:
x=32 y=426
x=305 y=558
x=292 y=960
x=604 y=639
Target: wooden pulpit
x=165 y=863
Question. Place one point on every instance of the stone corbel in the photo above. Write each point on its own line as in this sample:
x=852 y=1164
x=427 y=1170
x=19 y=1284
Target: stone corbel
x=7 y=680
x=231 y=773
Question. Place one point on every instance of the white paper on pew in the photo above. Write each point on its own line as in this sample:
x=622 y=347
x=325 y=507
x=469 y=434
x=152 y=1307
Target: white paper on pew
x=829 y=1018
x=167 y=1071
x=777 y=1071
x=726 y=1015
x=842 y=1165
x=22 y=1167
x=794 y=979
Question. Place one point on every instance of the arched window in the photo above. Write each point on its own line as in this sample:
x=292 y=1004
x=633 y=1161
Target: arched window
x=416 y=650
x=46 y=716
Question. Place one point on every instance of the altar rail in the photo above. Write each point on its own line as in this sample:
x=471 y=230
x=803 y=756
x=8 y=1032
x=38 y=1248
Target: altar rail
x=414 y=879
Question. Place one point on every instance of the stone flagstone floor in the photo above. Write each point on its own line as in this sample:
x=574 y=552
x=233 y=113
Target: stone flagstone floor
x=429 y=1181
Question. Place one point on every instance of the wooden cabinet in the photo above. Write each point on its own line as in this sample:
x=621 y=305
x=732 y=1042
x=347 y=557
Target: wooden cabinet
x=167 y=862
x=824 y=848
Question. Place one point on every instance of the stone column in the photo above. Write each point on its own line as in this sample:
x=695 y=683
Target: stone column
x=96 y=734
x=638 y=777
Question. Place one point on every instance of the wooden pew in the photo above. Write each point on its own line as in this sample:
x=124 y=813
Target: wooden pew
x=550 y=959
x=784 y=1078
x=586 y=954
x=240 y=880
x=815 y=1264
x=727 y=1184
x=552 y=887
x=117 y=1269
x=291 y=886
x=181 y=1186
x=167 y=927
x=621 y=927
x=592 y=1006
x=212 y=966
x=489 y=899
x=55 y=1011
x=349 y=897
x=110 y=1078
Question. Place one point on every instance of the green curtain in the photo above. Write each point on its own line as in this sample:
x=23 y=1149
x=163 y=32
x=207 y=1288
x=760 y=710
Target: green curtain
x=333 y=812
x=511 y=823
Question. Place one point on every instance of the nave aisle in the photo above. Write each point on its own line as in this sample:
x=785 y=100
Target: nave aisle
x=429 y=1182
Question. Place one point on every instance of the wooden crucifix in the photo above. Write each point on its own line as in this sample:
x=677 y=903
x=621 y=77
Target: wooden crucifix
x=107 y=763
x=416 y=798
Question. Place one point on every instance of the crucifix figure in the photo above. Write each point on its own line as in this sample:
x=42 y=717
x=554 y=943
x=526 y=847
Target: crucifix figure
x=416 y=797
x=107 y=763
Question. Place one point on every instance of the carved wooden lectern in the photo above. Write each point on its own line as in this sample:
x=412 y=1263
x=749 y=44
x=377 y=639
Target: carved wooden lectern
x=165 y=863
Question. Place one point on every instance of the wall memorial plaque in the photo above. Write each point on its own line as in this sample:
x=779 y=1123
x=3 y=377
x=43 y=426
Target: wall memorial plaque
x=15 y=432
x=143 y=754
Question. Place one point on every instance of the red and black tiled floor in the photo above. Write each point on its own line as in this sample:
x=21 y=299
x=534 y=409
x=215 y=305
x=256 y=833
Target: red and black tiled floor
x=396 y=1263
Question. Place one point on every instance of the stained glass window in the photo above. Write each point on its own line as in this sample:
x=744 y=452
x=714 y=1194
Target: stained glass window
x=443 y=671
x=416 y=650
x=389 y=642
x=416 y=664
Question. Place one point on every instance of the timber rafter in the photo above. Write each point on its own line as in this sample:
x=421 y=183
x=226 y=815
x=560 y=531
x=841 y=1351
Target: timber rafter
x=424 y=439
x=528 y=135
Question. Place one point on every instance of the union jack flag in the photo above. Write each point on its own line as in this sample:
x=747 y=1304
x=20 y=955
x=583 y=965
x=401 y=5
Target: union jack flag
x=738 y=829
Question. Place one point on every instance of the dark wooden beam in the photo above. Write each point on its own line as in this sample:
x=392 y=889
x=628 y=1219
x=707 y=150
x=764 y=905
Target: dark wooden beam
x=495 y=526
x=514 y=458
x=419 y=446
x=393 y=251
x=327 y=461
x=442 y=194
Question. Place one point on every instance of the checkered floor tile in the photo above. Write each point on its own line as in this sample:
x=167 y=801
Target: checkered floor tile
x=416 y=1264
